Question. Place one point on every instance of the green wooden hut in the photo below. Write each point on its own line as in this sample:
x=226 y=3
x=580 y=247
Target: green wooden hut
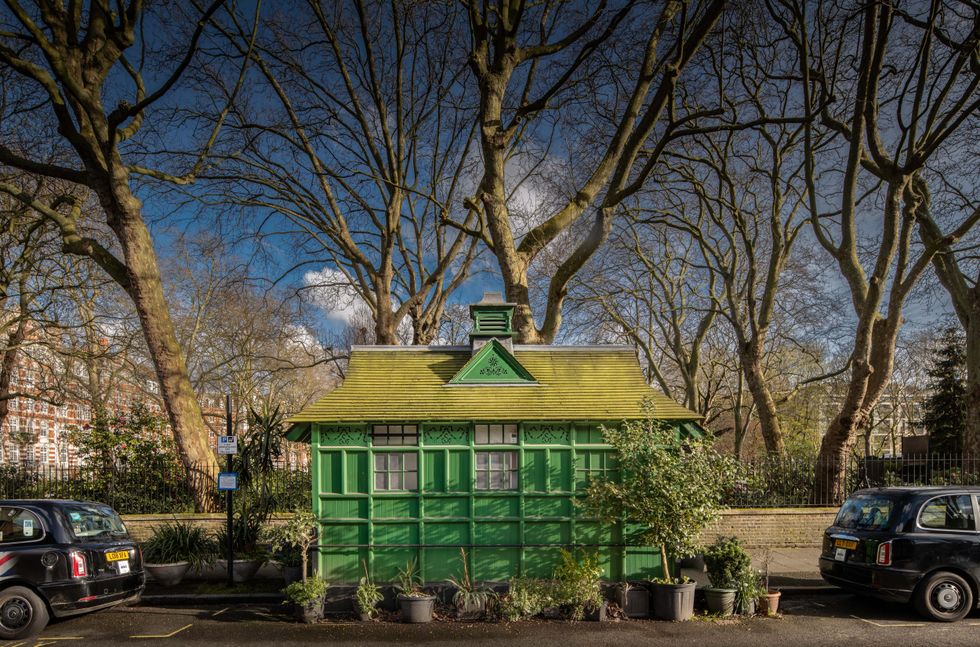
x=424 y=449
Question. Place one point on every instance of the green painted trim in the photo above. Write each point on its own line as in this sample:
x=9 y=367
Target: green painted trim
x=492 y=319
x=299 y=433
x=493 y=364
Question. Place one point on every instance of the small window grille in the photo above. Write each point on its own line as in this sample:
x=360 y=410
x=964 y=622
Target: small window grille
x=496 y=434
x=388 y=435
x=496 y=470
x=396 y=471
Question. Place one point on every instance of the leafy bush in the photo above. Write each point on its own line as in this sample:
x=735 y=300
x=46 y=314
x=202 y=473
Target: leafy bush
x=727 y=563
x=469 y=593
x=577 y=585
x=368 y=595
x=305 y=592
x=246 y=532
x=525 y=598
x=291 y=541
x=670 y=485
x=410 y=581
x=180 y=542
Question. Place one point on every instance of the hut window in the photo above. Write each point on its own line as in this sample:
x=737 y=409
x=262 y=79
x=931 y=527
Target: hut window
x=496 y=434
x=496 y=470
x=396 y=471
x=382 y=435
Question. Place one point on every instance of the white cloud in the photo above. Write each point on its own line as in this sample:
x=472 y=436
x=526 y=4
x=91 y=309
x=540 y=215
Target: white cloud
x=330 y=290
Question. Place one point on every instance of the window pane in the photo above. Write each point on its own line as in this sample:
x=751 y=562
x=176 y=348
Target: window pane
x=18 y=525
x=379 y=440
x=411 y=462
x=409 y=429
x=379 y=462
x=482 y=460
x=510 y=434
x=395 y=481
x=394 y=462
x=481 y=435
x=948 y=513
x=513 y=480
x=380 y=430
x=482 y=480
x=381 y=481
x=495 y=460
x=411 y=481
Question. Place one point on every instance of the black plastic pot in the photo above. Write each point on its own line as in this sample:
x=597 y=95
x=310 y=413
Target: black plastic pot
x=634 y=600
x=721 y=601
x=673 y=601
x=416 y=609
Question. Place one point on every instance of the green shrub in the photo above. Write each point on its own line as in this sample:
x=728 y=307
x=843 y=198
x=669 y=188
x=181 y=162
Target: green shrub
x=727 y=563
x=180 y=542
x=409 y=581
x=310 y=591
x=469 y=593
x=577 y=585
x=525 y=598
x=368 y=594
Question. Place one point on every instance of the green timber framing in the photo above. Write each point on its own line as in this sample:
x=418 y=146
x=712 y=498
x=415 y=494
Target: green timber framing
x=511 y=518
x=506 y=532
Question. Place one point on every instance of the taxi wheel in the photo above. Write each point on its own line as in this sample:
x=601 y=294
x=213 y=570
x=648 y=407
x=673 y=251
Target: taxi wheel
x=22 y=613
x=945 y=597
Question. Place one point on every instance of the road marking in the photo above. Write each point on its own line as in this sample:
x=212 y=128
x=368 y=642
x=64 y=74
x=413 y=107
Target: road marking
x=891 y=624
x=169 y=635
x=218 y=613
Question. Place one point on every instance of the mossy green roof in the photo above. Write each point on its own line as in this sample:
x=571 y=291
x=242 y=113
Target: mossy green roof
x=411 y=383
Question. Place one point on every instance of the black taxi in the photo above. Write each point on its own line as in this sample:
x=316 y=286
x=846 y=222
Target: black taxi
x=908 y=544
x=62 y=558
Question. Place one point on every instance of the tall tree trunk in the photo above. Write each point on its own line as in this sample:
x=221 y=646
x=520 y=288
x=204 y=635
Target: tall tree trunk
x=971 y=431
x=8 y=364
x=765 y=404
x=145 y=288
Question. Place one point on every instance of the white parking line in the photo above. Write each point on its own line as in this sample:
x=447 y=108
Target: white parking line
x=891 y=624
x=218 y=613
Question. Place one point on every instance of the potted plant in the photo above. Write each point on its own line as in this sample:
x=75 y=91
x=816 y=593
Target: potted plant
x=577 y=588
x=472 y=601
x=175 y=548
x=633 y=599
x=307 y=597
x=415 y=604
x=768 y=599
x=246 y=548
x=749 y=589
x=291 y=543
x=367 y=596
x=727 y=564
x=671 y=487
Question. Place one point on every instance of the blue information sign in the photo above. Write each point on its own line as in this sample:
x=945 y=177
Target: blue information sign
x=227 y=481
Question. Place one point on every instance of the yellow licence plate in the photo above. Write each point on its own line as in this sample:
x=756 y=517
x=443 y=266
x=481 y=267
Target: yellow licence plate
x=845 y=543
x=117 y=556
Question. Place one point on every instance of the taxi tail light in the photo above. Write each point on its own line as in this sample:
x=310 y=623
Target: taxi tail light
x=78 y=566
x=884 y=554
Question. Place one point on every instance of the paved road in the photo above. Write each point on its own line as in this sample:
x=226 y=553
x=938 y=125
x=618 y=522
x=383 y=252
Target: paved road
x=839 y=620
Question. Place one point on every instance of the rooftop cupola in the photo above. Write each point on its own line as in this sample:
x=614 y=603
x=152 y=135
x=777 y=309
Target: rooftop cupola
x=492 y=319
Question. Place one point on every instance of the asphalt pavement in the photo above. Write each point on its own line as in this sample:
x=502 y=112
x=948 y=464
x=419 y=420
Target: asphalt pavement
x=839 y=620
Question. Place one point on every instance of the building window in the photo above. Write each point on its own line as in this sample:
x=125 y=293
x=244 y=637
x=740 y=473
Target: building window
x=382 y=435
x=496 y=434
x=396 y=471
x=496 y=470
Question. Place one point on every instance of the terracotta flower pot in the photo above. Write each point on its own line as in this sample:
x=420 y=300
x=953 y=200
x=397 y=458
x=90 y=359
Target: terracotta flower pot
x=769 y=603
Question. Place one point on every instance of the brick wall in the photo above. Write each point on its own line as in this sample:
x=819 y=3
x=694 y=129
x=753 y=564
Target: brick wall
x=757 y=527
x=141 y=526
x=774 y=527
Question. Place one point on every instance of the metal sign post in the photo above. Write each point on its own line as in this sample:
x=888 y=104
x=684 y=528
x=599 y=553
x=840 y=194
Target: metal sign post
x=229 y=496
